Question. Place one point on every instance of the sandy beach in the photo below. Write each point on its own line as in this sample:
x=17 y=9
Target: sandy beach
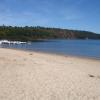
x=39 y=76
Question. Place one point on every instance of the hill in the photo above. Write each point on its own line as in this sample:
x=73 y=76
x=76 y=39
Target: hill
x=37 y=33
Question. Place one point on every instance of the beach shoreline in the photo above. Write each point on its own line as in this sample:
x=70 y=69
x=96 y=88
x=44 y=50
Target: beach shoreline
x=54 y=53
x=26 y=75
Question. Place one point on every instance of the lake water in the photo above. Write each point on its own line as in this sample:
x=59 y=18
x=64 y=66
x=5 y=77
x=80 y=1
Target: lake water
x=85 y=48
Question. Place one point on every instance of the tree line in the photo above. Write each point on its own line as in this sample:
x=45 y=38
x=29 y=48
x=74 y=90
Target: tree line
x=39 y=33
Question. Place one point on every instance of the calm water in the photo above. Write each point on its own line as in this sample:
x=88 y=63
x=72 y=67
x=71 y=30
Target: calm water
x=86 y=48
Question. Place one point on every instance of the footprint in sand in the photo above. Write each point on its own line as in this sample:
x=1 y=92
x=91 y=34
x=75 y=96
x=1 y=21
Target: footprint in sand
x=90 y=75
x=30 y=54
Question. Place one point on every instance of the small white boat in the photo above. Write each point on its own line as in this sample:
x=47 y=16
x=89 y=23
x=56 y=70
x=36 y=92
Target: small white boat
x=4 y=42
x=11 y=42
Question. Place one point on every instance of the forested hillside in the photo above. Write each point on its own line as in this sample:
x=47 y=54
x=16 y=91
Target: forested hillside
x=36 y=33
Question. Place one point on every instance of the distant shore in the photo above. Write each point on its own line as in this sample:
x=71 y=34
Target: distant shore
x=26 y=75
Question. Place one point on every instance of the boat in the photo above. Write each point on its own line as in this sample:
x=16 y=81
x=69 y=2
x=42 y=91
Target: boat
x=11 y=42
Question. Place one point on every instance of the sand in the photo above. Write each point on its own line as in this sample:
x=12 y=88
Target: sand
x=39 y=76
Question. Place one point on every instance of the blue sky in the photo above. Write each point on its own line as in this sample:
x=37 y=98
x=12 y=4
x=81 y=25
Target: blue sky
x=71 y=14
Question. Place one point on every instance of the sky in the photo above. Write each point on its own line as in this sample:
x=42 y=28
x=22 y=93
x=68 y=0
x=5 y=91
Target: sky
x=69 y=14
